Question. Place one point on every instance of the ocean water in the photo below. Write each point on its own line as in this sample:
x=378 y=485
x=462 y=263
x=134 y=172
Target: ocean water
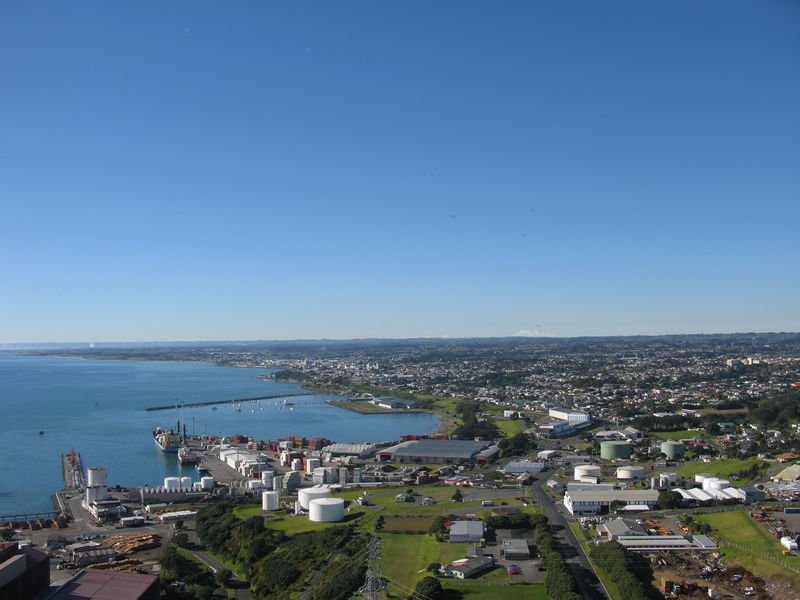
x=98 y=408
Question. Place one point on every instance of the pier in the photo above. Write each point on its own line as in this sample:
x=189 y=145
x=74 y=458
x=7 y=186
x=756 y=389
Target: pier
x=73 y=470
x=234 y=401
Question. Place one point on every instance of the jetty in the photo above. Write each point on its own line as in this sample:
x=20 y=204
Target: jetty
x=73 y=470
x=234 y=401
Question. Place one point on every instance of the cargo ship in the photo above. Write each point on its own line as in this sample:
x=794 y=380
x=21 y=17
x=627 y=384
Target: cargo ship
x=167 y=441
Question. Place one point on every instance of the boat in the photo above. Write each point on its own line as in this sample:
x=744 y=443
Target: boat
x=186 y=456
x=167 y=440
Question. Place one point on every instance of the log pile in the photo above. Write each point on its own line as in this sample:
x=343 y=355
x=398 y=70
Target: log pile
x=128 y=544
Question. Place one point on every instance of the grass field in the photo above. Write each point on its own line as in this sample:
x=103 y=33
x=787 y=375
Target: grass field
x=404 y=555
x=496 y=592
x=509 y=428
x=420 y=525
x=720 y=468
x=737 y=526
x=684 y=434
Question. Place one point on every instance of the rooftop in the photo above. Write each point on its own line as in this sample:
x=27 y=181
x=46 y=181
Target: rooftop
x=451 y=448
x=95 y=584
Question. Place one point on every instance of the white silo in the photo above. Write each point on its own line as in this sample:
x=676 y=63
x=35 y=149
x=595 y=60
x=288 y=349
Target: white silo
x=343 y=475
x=186 y=482
x=714 y=483
x=96 y=476
x=266 y=479
x=207 y=483
x=326 y=510
x=96 y=493
x=701 y=477
x=306 y=495
x=172 y=483
x=586 y=471
x=356 y=475
x=277 y=482
x=269 y=501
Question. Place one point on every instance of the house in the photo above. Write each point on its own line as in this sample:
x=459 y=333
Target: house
x=469 y=567
x=467 y=531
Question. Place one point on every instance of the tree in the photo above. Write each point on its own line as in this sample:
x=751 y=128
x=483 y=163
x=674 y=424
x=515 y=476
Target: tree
x=428 y=588
x=434 y=567
x=223 y=577
x=181 y=539
x=458 y=496
x=669 y=499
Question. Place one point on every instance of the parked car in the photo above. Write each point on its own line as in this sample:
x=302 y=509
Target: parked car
x=514 y=570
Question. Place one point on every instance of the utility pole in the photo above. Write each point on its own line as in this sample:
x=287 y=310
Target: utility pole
x=374 y=583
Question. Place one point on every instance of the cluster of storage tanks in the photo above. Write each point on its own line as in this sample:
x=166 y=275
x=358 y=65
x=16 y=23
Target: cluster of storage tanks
x=711 y=482
x=182 y=484
x=321 y=507
x=96 y=484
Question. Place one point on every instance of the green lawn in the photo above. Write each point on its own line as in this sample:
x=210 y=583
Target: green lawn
x=720 y=468
x=580 y=532
x=684 y=434
x=509 y=428
x=404 y=555
x=497 y=592
x=737 y=526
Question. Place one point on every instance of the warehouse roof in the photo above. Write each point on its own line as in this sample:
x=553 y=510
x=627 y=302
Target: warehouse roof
x=465 y=449
x=611 y=495
x=355 y=449
x=667 y=542
x=95 y=584
x=467 y=528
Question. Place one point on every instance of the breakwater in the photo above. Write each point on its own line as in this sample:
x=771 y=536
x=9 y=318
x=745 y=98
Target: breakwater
x=234 y=401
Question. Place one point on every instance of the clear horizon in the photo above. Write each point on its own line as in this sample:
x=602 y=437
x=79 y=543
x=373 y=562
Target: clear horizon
x=268 y=171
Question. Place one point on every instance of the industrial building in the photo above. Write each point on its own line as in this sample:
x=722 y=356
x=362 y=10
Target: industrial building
x=516 y=549
x=615 y=528
x=467 y=531
x=439 y=451
x=671 y=543
x=592 y=502
x=469 y=567
x=23 y=572
x=360 y=450
x=95 y=584
x=523 y=466
x=570 y=415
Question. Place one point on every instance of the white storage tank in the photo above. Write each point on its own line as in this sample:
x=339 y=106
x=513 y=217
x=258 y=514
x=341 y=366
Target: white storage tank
x=326 y=510
x=277 y=482
x=306 y=495
x=587 y=471
x=266 y=479
x=254 y=484
x=96 y=476
x=207 y=483
x=655 y=483
x=172 y=483
x=701 y=477
x=186 y=482
x=630 y=472
x=713 y=483
x=270 y=501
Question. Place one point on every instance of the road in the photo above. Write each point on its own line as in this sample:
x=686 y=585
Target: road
x=585 y=578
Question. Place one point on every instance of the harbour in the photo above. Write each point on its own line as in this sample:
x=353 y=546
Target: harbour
x=99 y=408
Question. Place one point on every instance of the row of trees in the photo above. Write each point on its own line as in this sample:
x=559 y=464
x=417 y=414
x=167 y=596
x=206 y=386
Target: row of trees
x=611 y=558
x=517 y=521
x=559 y=581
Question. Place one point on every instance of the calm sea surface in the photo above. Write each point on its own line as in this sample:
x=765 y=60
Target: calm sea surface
x=98 y=407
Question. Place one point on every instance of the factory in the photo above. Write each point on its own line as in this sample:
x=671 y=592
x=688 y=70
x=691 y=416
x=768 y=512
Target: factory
x=570 y=415
x=592 y=502
x=714 y=488
x=97 y=501
x=246 y=462
x=439 y=451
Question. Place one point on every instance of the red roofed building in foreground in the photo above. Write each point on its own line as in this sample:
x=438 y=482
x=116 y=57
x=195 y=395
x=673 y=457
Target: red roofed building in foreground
x=95 y=584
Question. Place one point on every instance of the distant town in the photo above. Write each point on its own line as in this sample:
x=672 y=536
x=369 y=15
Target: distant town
x=619 y=468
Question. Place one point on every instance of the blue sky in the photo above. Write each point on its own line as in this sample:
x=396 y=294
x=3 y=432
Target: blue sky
x=279 y=170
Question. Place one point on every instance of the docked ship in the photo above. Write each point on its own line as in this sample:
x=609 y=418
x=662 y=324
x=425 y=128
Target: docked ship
x=186 y=456
x=167 y=441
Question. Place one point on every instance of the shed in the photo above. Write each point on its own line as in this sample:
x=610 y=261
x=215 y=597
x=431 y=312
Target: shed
x=467 y=531
x=516 y=549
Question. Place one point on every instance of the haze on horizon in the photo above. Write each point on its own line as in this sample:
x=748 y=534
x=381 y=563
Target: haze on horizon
x=265 y=171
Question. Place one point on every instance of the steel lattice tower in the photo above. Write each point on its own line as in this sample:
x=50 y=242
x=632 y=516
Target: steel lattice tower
x=374 y=583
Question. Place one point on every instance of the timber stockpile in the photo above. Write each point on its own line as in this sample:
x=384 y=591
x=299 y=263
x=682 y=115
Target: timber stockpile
x=128 y=544
x=127 y=565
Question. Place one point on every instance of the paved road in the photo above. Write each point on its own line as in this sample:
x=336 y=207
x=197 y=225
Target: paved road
x=585 y=577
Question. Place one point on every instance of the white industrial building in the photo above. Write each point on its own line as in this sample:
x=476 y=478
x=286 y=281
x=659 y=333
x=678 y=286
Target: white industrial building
x=592 y=502
x=570 y=415
x=523 y=466
x=246 y=462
